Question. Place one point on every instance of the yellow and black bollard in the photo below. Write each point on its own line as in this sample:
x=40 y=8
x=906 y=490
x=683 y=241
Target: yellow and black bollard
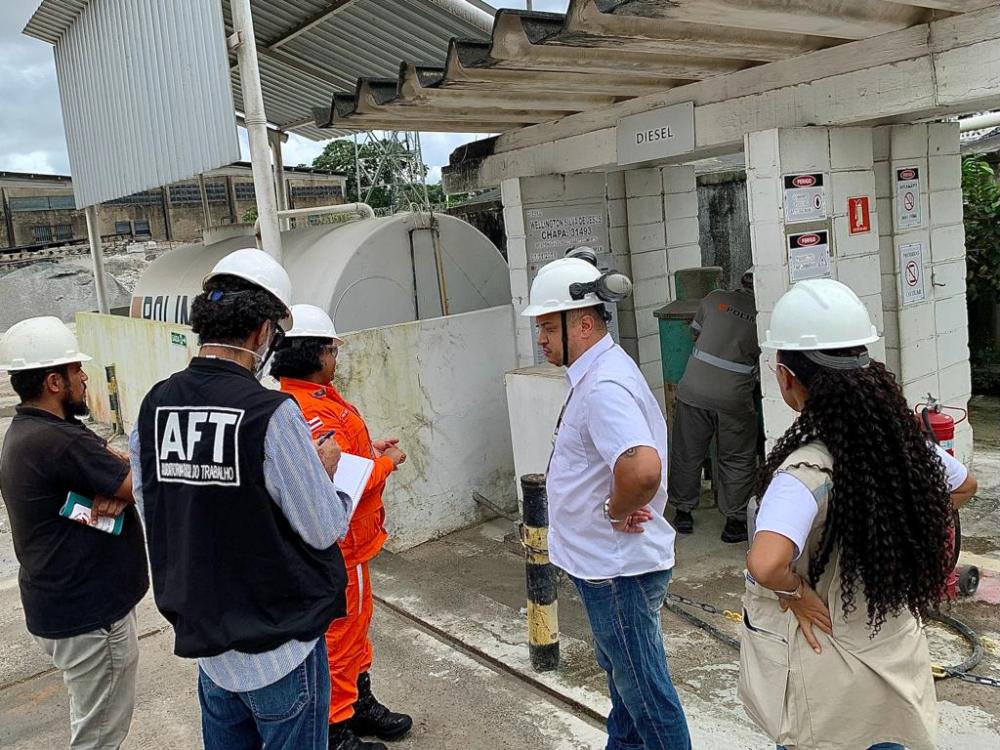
x=543 y=616
x=116 y=412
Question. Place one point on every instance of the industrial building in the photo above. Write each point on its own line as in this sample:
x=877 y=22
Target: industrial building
x=39 y=209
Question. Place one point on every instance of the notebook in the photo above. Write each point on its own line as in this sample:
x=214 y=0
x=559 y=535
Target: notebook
x=78 y=508
x=353 y=473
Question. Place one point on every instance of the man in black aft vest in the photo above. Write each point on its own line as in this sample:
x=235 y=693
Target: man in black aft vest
x=242 y=520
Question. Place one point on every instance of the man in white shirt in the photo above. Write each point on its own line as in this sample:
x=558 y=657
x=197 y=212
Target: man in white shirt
x=606 y=487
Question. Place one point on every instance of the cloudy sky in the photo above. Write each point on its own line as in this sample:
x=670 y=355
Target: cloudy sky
x=31 y=128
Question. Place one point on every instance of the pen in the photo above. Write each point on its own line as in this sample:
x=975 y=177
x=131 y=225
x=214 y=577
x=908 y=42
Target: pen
x=326 y=437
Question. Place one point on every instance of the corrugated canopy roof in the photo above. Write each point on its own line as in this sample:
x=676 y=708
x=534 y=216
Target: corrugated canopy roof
x=310 y=48
x=538 y=67
x=330 y=67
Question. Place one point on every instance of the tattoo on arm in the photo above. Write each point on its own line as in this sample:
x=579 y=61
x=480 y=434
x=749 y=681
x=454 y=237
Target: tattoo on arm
x=630 y=453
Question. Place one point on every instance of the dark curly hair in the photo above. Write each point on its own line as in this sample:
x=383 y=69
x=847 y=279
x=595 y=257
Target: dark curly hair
x=28 y=384
x=237 y=313
x=298 y=357
x=890 y=511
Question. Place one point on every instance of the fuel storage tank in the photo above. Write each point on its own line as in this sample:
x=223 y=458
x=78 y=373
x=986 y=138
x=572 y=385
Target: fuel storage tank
x=367 y=273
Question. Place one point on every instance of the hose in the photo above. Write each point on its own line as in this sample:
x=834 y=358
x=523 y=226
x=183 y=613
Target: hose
x=959 y=671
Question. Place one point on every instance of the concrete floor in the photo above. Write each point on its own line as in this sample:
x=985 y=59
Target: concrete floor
x=450 y=646
x=446 y=690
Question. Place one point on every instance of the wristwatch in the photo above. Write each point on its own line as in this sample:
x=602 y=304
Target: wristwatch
x=791 y=596
x=607 y=511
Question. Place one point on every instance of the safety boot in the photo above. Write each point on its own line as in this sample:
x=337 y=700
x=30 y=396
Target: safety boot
x=371 y=718
x=342 y=738
x=683 y=522
x=734 y=531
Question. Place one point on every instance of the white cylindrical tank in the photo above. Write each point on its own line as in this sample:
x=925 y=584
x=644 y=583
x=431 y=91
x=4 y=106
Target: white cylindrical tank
x=366 y=274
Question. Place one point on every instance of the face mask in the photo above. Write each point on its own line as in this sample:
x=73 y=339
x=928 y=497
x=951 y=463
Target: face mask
x=263 y=355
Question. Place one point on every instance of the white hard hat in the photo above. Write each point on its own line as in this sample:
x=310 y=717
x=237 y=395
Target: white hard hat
x=312 y=322
x=257 y=267
x=819 y=314
x=550 y=289
x=39 y=342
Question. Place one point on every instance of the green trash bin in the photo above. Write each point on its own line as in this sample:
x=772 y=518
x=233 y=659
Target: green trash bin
x=675 y=318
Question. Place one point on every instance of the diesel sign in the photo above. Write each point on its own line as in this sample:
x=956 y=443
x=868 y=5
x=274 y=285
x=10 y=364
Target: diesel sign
x=656 y=134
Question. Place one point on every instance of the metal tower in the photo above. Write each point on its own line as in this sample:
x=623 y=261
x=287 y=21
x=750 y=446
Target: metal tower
x=391 y=162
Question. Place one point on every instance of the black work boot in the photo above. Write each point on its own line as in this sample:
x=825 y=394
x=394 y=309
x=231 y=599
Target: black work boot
x=683 y=522
x=371 y=718
x=342 y=738
x=734 y=531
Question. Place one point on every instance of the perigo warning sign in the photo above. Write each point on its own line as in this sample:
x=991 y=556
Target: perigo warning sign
x=804 y=198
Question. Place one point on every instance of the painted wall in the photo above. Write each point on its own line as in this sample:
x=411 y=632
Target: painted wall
x=534 y=397
x=143 y=352
x=436 y=384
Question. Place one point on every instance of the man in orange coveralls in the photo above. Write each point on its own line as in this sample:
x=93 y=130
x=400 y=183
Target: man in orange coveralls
x=305 y=364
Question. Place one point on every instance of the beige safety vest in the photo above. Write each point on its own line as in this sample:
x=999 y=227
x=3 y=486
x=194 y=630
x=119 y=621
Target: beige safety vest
x=861 y=690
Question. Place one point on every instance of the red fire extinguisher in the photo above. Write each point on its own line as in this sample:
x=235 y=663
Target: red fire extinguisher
x=940 y=427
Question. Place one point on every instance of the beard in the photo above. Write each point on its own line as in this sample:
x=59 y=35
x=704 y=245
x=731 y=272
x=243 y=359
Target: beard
x=75 y=408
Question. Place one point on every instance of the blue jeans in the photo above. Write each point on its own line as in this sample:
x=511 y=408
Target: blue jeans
x=624 y=615
x=290 y=714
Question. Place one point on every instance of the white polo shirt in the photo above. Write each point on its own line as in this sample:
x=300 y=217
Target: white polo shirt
x=609 y=410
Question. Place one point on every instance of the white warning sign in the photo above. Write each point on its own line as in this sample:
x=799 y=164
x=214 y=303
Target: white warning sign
x=908 y=198
x=805 y=198
x=913 y=288
x=809 y=256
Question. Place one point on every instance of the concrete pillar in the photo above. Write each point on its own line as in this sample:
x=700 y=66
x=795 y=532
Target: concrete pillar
x=168 y=225
x=647 y=242
x=844 y=157
x=234 y=216
x=927 y=341
x=662 y=212
x=545 y=216
x=621 y=259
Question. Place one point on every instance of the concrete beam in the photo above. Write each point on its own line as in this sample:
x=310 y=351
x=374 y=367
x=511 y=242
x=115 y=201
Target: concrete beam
x=413 y=92
x=586 y=25
x=469 y=65
x=370 y=101
x=948 y=67
x=843 y=19
x=513 y=47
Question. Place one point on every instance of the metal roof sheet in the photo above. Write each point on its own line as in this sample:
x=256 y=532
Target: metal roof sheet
x=310 y=48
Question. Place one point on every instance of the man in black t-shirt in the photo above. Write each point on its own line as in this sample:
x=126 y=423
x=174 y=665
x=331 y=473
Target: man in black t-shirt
x=79 y=581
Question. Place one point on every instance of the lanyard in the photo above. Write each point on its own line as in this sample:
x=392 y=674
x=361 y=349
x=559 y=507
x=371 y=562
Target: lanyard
x=555 y=434
x=562 y=412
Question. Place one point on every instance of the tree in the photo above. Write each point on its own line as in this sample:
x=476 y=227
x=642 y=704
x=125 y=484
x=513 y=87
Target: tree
x=982 y=228
x=339 y=156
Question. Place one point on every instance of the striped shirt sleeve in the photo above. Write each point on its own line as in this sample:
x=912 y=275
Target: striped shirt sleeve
x=298 y=483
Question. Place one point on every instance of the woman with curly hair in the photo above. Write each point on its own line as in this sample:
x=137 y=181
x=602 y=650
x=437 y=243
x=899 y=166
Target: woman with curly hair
x=305 y=364
x=851 y=542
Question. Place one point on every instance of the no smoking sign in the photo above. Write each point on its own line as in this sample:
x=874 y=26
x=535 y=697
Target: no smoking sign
x=911 y=262
x=908 y=198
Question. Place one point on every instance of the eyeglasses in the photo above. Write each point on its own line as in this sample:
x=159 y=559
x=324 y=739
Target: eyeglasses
x=774 y=369
x=333 y=349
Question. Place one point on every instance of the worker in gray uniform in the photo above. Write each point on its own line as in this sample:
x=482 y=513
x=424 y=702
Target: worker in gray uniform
x=716 y=398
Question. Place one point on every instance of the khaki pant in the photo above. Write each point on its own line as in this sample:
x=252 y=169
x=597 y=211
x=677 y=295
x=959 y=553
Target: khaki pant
x=99 y=670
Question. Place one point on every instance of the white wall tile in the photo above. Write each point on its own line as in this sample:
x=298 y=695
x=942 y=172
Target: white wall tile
x=850 y=148
x=643 y=182
x=803 y=150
